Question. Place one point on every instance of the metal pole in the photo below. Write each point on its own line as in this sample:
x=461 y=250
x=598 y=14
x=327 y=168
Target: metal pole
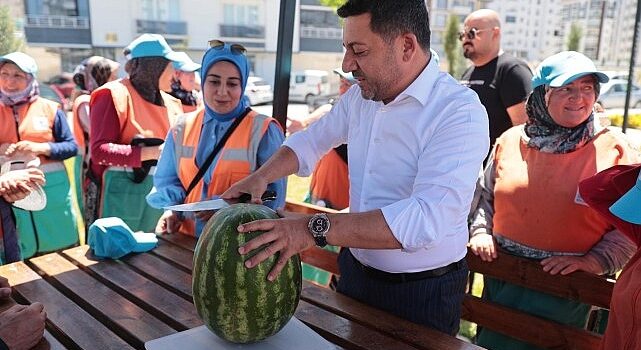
x=633 y=56
x=283 y=59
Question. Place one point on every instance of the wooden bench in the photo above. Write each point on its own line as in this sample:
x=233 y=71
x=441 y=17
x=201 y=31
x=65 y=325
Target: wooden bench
x=581 y=286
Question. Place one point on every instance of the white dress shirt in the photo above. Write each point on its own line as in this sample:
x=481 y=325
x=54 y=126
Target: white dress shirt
x=416 y=158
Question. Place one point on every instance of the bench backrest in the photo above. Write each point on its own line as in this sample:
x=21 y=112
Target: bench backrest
x=581 y=286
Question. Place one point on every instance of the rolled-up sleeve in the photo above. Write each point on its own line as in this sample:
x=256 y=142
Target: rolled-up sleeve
x=312 y=143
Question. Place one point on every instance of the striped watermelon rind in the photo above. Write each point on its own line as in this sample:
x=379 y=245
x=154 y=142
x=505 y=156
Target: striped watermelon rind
x=236 y=303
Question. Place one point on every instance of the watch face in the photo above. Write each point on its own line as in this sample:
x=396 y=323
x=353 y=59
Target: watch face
x=319 y=224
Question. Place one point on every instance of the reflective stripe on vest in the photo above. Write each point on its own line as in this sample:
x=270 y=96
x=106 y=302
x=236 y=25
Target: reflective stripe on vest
x=236 y=160
x=35 y=122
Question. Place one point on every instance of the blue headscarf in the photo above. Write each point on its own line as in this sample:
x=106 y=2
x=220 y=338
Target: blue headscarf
x=217 y=54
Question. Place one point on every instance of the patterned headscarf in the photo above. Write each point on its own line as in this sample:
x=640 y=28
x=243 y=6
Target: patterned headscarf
x=29 y=94
x=225 y=53
x=144 y=73
x=541 y=132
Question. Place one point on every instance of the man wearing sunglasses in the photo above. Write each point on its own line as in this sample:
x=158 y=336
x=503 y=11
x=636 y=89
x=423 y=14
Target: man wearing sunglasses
x=501 y=80
x=416 y=140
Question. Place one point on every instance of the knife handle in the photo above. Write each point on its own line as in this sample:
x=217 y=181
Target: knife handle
x=268 y=195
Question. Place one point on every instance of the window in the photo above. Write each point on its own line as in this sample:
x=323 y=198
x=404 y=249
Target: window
x=441 y=4
x=440 y=21
x=510 y=19
x=240 y=14
x=300 y=79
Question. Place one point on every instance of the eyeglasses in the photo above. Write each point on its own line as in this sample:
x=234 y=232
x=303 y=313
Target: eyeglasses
x=236 y=49
x=471 y=34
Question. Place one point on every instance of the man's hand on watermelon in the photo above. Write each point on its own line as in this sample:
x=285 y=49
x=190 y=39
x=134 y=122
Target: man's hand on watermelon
x=287 y=236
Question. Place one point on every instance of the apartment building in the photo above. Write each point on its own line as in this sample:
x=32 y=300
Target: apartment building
x=75 y=29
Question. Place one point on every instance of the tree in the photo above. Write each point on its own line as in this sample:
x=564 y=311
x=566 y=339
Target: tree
x=452 y=46
x=332 y=3
x=8 y=41
x=574 y=38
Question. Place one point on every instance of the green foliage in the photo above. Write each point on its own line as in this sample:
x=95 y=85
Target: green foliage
x=574 y=38
x=452 y=46
x=8 y=41
x=332 y=3
x=634 y=120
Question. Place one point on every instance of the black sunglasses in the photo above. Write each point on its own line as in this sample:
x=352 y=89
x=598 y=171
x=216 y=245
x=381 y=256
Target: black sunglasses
x=470 y=34
x=236 y=49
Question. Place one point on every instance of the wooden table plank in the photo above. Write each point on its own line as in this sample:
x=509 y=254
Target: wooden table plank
x=162 y=272
x=181 y=257
x=409 y=332
x=67 y=321
x=183 y=241
x=342 y=332
x=125 y=318
x=49 y=342
x=167 y=306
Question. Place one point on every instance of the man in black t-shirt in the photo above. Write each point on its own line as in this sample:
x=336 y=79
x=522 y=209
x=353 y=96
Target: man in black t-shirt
x=502 y=81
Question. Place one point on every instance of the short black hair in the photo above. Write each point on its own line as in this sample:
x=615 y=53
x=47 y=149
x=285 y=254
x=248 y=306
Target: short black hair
x=391 y=18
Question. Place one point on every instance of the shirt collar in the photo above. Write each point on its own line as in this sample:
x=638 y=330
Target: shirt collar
x=421 y=88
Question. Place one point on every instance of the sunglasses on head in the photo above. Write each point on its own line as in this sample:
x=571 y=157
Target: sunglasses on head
x=470 y=34
x=237 y=49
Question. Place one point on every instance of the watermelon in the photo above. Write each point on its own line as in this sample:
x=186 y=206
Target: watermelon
x=236 y=303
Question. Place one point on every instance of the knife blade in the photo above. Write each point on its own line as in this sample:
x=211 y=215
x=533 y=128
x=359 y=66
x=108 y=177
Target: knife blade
x=219 y=203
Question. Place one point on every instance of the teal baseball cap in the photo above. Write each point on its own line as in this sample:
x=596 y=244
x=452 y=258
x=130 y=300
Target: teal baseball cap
x=151 y=45
x=628 y=207
x=185 y=63
x=25 y=62
x=111 y=238
x=563 y=68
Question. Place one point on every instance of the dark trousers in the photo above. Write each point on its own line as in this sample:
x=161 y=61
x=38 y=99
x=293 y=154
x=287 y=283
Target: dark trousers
x=434 y=302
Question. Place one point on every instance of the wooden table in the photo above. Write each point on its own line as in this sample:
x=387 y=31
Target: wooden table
x=121 y=304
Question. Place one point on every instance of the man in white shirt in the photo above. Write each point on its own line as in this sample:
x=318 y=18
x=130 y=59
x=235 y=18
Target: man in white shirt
x=416 y=141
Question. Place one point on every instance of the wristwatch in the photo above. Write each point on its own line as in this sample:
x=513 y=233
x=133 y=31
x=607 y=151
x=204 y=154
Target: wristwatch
x=318 y=226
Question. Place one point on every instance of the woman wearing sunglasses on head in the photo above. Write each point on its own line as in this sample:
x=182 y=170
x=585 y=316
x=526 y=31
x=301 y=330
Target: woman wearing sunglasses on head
x=251 y=138
x=129 y=119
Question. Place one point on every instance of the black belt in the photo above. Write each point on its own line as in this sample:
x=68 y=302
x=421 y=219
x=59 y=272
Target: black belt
x=407 y=276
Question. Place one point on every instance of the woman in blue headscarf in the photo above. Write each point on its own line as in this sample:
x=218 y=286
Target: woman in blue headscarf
x=252 y=139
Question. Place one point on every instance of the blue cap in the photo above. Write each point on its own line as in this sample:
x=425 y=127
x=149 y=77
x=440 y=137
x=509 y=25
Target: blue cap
x=563 y=68
x=152 y=45
x=23 y=61
x=112 y=238
x=185 y=63
x=628 y=207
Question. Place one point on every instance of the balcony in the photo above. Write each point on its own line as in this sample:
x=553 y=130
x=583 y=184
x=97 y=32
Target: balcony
x=69 y=31
x=161 y=27
x=242 y=31
x=321 y=39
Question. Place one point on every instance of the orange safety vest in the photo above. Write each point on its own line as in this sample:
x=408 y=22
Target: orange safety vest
x=190 y=108
x=330 y=182
x=138 y=116
x=536 y=200
x=78 y=132
x=236 y=160
x=35 y=123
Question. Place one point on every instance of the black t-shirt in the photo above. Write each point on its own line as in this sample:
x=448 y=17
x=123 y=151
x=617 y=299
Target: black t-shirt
x=501 y=83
